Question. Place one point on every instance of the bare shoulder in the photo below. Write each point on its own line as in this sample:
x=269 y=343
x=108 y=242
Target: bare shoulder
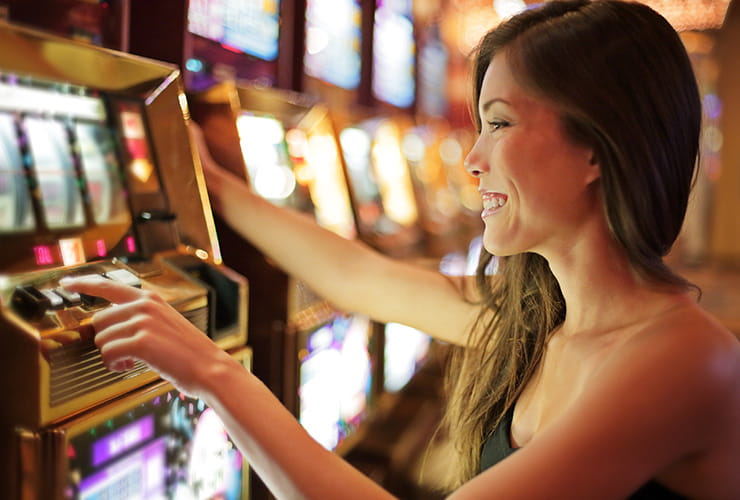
x=680 y=375
x=686 y=339
x=684 y=350
x=662 y=404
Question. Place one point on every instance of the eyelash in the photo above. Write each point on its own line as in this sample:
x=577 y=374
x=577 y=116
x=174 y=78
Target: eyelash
x=497 y=125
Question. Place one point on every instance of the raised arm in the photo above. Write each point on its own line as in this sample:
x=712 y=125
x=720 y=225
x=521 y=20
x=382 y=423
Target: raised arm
x=349 y=274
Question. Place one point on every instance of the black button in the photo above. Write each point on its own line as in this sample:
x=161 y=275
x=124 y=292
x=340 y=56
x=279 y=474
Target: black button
x=30 y=302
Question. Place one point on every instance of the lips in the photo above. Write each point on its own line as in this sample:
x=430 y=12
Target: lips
x=492 y=202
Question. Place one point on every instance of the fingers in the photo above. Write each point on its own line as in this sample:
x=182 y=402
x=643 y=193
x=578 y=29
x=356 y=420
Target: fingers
x=98 y=286
x=122 y=313
x=116 y=355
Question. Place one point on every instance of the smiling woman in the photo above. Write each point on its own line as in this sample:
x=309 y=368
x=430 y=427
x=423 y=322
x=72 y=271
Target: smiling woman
x=585 y=353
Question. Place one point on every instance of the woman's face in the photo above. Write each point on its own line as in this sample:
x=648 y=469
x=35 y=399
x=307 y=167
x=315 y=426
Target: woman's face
x=536 y=184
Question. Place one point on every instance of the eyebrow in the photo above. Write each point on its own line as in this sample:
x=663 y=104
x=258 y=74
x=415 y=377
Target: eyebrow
x=487 y=105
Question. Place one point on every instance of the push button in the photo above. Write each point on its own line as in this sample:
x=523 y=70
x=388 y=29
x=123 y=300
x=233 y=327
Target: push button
x=124 y=276
x=71 y=299
x=30 y=302
x=55 y=301
x=93 y=300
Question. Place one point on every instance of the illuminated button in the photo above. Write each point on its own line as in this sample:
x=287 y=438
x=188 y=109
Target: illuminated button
x=55 y=301
x=124 y=276
x=30 y=302
x=70 y=298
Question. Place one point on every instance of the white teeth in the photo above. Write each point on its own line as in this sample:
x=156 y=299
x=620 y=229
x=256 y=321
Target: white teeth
x=494 y=202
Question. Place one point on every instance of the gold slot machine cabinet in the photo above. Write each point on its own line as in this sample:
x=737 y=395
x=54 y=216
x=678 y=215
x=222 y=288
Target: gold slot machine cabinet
x=97 y=177
x=321 y=362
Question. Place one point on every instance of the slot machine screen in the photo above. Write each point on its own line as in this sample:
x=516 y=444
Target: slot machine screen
x=379 y=177
x=333 y=39
x=169 y=446
x=71 y=163
x=356 y=144
x=61 y=197
x=298 y=167
x=249 y=26
x=394 y=53
x=102 y=173
x=16 y=213
x=271 y=170
x=405 y=350
x=335 y=379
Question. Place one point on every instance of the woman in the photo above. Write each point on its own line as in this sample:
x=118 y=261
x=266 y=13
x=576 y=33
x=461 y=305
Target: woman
x=585 y=353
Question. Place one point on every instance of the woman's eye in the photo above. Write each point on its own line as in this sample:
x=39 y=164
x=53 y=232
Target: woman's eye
x=497 y=124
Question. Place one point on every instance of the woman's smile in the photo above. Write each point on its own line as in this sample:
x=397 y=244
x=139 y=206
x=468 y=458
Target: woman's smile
x=492 y=202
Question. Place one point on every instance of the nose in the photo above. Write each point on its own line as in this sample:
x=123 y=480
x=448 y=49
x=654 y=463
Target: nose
x=475 y=163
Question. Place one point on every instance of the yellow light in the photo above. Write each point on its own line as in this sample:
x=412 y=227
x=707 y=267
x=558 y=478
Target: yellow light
x=142 y=169
x=72 y=251
x=691 y=15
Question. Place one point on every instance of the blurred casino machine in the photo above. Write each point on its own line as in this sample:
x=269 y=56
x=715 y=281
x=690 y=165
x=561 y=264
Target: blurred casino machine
x=97 y=178
x=320 y=361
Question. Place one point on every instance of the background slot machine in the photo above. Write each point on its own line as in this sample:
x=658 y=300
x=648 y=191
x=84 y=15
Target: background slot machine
x=97 y=177
x=448 y=198
x=382 y=187
x=320 y=362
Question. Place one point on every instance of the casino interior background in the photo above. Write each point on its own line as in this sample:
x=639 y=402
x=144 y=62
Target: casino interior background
x=354 y=111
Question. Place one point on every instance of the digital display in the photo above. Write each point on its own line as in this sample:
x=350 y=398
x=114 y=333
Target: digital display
x=379 y=176
x=270 y=169
x=299 y=169
x=170 y=446
x=335 y=379
x=433 y=59
x=16 y=213
x=333 y=41
x=249 y=26
x=61 y=197
x=102 y=173
x=394 y=53
x=140 y=169
x=356 y=143
x=405 y=350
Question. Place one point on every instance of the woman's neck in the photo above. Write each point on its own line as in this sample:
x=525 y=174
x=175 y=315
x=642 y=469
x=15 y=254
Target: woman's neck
x=602 y=291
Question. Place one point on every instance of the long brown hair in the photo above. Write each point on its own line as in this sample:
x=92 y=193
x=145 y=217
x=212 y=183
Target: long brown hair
x=623 y=84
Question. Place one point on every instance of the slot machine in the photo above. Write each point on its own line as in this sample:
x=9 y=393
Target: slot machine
x=319 y=361
x=345 y=41
x=97 y=177
x=382 y=187
x=449 y=203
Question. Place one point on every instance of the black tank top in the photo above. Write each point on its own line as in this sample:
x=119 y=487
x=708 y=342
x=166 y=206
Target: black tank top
x=498 y=446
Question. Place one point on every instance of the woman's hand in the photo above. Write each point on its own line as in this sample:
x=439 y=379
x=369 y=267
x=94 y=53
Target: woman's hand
x=140 y=325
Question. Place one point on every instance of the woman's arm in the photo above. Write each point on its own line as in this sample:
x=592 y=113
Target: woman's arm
x=282 y=453
x=347 y=273
x=140 y=325
x=659 y=401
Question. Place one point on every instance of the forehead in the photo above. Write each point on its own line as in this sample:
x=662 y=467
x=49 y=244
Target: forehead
x=499 y=83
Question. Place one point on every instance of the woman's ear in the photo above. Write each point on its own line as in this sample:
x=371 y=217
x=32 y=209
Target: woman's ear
x=594 y=168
